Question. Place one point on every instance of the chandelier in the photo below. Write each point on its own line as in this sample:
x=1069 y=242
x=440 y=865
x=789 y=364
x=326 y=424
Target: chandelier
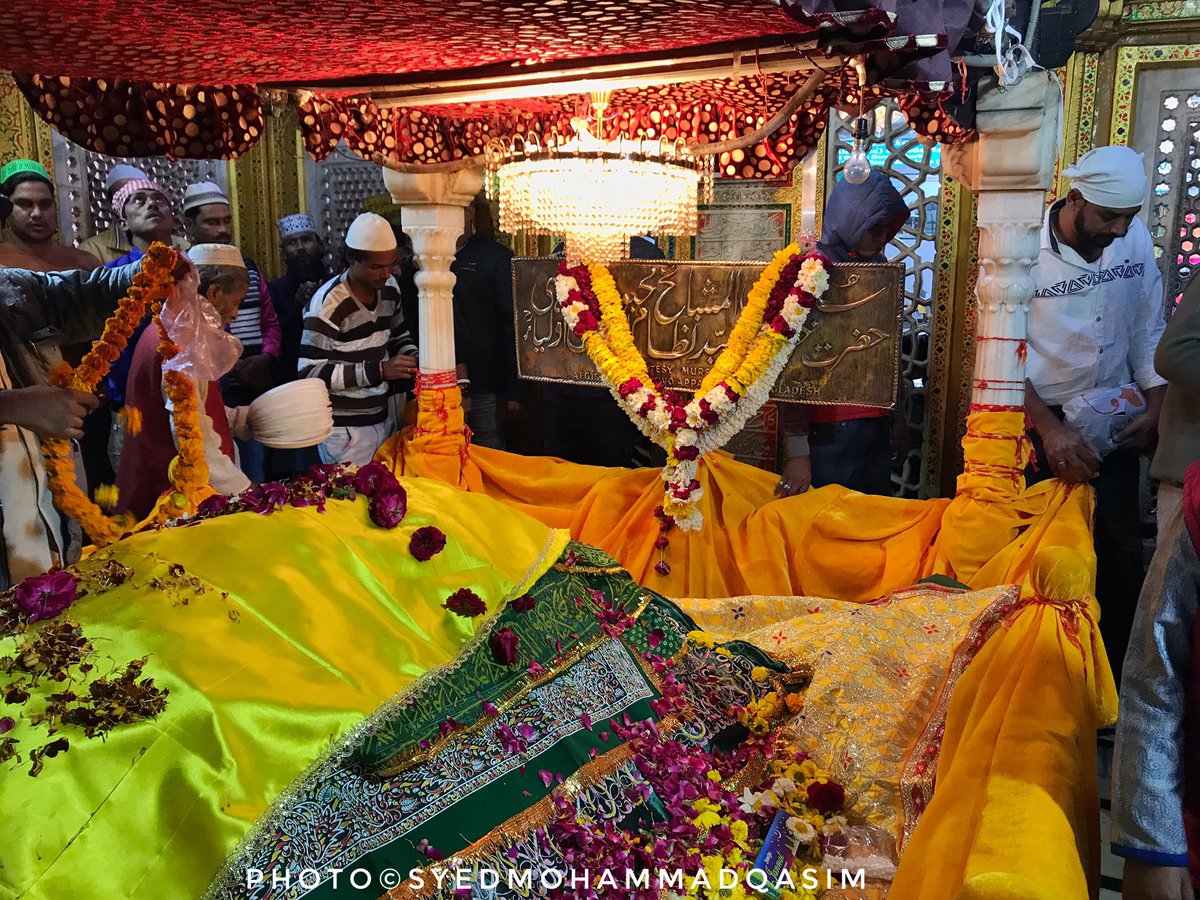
x=597 y=194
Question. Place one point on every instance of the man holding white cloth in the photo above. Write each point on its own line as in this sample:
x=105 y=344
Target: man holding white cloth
x=1096 y=316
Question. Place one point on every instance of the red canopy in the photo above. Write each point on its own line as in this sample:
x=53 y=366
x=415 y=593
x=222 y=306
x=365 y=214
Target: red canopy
x=187 y=79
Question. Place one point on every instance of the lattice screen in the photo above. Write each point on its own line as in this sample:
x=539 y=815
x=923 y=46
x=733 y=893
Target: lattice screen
x=83 y=204
x=336 y=190
x=1175 y=188
x=915 y=170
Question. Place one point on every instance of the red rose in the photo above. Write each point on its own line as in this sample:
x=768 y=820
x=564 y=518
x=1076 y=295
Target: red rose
x=466 y=603
x=686 y=452
x=826 y=797
x=662 y=568
x=629 y=387
x=524 y=603
x=707 y=413
x=426 y=543
x=45 y=596
x=504 y=646
x=389 y=506
x=369 y=479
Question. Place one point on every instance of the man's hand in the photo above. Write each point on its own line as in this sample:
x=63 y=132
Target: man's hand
x=1069 y=456
x=1142 y=432
x=255 y=371
x=1143 y=881
x=399 y=368
x=183 y=265
x=796 y=477
x=51 y=412
x=304 y=293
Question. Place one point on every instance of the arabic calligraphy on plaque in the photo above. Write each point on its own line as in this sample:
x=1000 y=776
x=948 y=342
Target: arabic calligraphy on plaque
x=681 y=314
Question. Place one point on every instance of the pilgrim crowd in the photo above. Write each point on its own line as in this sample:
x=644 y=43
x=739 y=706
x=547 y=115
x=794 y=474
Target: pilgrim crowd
x=1100 y=337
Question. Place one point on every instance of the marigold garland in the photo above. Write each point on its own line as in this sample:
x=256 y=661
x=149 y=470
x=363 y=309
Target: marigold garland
x=739 y=382
x=149 y=289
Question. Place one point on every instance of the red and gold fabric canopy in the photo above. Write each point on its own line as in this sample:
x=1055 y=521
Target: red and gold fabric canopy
x=187 y=79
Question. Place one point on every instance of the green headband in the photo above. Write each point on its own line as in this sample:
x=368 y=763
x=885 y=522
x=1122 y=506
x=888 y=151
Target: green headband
x=17 y=166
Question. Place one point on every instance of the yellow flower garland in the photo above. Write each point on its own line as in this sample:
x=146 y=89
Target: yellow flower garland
x=149 y=289
x=746 y=356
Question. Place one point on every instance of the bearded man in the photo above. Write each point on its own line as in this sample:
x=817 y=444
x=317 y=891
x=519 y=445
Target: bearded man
x=1095 y=319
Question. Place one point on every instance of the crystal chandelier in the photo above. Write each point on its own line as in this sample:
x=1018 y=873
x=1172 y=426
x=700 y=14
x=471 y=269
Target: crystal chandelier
x=597 y=194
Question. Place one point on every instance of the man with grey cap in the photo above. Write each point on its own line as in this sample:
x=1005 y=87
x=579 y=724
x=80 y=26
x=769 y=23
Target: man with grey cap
x=1096 y=316
x=356 y=341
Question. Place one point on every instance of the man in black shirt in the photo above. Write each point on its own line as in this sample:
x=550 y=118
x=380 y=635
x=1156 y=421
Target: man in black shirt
x=485 y=333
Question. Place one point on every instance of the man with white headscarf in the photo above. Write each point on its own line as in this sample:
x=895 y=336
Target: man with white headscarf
x=1096 y=316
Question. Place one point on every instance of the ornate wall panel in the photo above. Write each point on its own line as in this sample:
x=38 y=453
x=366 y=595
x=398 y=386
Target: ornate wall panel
x=1079 y=114
x=266 y=184
x=915 y=170
x=22 y=132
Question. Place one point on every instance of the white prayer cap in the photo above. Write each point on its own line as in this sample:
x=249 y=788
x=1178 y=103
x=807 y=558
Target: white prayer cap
x=203 y=193
x=297 y=223
x=122 y=172
x=216 y=255
x=1114 y=177
x=370 y=232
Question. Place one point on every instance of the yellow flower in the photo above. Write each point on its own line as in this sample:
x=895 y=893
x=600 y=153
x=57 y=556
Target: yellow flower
x=759 y=673
x=714 y=775
x=721 y=651
x=701 y=639
x=708 y=814
x=106 y=496
x=740 y=831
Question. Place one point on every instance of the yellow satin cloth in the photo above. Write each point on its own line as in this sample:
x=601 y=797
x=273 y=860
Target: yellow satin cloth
x=307 y=623
x=830 y=542
x=1016 y=814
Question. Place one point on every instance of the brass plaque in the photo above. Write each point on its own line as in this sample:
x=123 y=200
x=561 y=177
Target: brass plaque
x=681 y=314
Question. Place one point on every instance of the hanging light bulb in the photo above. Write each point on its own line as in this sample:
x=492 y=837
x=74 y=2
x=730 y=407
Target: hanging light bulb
x=858 y=166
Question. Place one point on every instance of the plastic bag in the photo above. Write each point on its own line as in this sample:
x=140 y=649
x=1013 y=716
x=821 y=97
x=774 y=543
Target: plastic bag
x=1102 y=414
x=206 y=350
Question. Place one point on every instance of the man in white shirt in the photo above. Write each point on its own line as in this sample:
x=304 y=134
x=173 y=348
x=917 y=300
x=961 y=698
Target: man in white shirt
x=1095 y=319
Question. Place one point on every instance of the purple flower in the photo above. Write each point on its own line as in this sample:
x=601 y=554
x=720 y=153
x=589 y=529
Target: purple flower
x=524 y=603
x=7 y=724
x=389 y=506
x=45 y=596
x=466 y=603
x=504 y=645
x=216 y=505
x=662 y=568
x=371 y=478
x=426 y=543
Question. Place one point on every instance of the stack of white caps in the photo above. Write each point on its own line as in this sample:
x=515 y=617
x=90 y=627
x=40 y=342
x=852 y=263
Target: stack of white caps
x=296 y=414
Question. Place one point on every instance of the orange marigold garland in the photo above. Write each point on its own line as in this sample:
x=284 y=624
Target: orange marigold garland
x=150 y=288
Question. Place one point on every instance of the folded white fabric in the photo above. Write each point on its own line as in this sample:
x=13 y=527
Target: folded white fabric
x=297 y=414
x=1103 y=413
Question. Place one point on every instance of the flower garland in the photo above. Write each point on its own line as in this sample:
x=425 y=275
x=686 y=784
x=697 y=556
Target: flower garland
x=149 y=289
x=740 y=381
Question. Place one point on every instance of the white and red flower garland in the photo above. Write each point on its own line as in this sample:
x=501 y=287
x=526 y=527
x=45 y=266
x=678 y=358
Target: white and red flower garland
x=739 y=383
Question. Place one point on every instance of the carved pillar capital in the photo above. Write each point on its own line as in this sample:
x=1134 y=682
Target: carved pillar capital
x=1019 y=128
x=433 y=212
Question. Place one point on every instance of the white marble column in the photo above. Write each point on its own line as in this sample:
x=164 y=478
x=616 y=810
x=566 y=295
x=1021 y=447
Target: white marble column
x=433 y=210
x=1010 y=166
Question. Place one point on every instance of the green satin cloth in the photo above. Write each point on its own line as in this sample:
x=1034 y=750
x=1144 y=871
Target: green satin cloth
x=307 y=622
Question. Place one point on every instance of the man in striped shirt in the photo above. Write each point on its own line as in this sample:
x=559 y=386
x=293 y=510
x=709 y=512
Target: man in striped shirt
x=209 y=220
x=355 y=340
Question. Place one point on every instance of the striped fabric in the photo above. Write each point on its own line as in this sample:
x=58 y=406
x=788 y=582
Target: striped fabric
x=345 y=344
x=247 y=327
